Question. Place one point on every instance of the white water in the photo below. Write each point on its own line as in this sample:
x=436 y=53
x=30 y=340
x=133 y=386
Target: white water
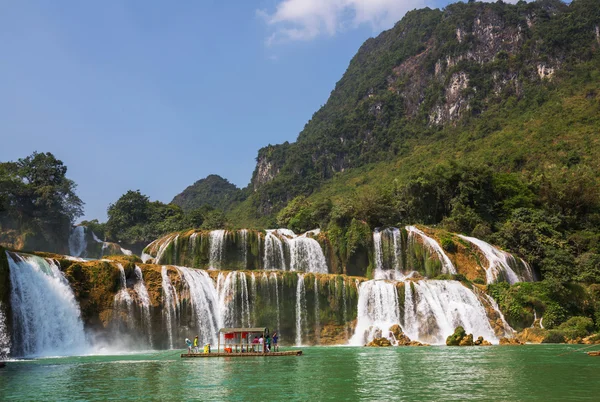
x=162 y=248
x=434 y=247
x=244 y=234
x=395 y=273
x=498 y=261
x=317 y=314
x=301 y=312
x=4 y=335
x=46 y=316
x=274 y=258
x=144 y=298
x=171 y=305
x=217 y=243
x=430 y=315
x=77 y=242
x=204 y=302
x=306 y=255
x=441 y=306
x=378 y=309
x=273 y=278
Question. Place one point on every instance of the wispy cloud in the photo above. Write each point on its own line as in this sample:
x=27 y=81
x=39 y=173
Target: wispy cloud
x=302 y=20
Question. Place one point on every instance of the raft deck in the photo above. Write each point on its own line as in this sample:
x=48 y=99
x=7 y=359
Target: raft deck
x=245 y=354
x=594 y=353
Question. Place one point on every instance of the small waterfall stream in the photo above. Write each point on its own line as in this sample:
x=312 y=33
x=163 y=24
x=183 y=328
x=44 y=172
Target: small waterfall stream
x=5 y=343
x=171 y=306
x=77 y=242
x=142 y=292
x=447 y=266
x=217 y=243
x=301 y=312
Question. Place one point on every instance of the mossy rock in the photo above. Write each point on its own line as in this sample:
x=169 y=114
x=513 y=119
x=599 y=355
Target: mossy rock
x=380 y=342
x=457 y=336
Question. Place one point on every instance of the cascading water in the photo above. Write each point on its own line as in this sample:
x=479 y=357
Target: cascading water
x=4 y=335
x=77 y=242
x=244 y=236
x=163 y=247
x=441 y=306
x=306 y=255
x=433 y=246
x=317 y=312
x=204 y=303
x=144 y=298
x=46 y=316
x=378 y=310
x=217 y=242
x=274 y=280
x=274 y=258
x=393 y=244
x=500 y=263
x=171 y=305
x=431 y=313
x=301 y=313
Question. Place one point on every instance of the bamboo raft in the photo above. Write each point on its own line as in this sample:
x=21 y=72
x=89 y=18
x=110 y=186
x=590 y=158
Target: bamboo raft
x=245 y=354
x=594 y=353
x=237 y=344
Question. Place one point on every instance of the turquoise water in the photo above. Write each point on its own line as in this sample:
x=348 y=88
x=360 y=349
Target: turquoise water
x=525 y=373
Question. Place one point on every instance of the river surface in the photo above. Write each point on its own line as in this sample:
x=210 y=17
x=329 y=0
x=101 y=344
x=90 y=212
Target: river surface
x=499 y=373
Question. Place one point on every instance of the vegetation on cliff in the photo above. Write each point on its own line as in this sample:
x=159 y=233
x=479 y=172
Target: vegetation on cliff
x=213 y=191
x=38 y=203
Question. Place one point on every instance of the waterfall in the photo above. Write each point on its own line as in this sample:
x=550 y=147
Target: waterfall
x=274 y=259
x=244 y=235
x=204 y=303
x=77 y=242
x=171 y=305
x=245 y=300
x=345 y=308
x=388 y=239
x=301 y=314
x=378 y=310
x=274 y=278
x=410 y=318
x=433 y=246
x=123 y=299
x=441 y=306
x=217 y=243
x=163 y=247
x=306 y=255
x=431 y=313
x=4 y=335
x=499 y=262
x=317 y=312
x=46 y=316
x=226 y=290
x=142 y=292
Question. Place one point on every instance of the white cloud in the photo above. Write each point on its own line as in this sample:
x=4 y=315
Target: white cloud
x=294 y=20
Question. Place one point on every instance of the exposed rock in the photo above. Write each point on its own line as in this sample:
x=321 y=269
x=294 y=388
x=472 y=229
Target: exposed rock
x=379 y=342
x=481 y=342
x=592 y=340
x=396 y=330
x=466 y=341
x=510 y=341
x=404 y=340
x=531 y=335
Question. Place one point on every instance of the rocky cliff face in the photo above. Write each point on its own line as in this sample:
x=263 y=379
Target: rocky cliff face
x=433 y=69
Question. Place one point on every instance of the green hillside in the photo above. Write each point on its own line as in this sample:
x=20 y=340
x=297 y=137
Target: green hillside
x=482 y=118
x=213 y=191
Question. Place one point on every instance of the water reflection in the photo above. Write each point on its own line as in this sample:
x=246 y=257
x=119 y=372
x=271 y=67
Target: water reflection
x=341 y=373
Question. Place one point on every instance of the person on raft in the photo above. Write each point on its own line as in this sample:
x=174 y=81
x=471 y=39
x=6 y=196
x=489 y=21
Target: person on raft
x=196 y=348
x=189 y=345
x=275 y=342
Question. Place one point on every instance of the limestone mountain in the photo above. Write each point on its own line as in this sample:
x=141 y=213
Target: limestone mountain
x=436 y=76
x=213 y=191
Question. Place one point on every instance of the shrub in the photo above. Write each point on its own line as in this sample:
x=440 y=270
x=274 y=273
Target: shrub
x=577 y=327
x=554 y=336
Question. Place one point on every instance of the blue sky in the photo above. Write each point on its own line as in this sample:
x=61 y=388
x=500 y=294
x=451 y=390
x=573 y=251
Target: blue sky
x=155 y=95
